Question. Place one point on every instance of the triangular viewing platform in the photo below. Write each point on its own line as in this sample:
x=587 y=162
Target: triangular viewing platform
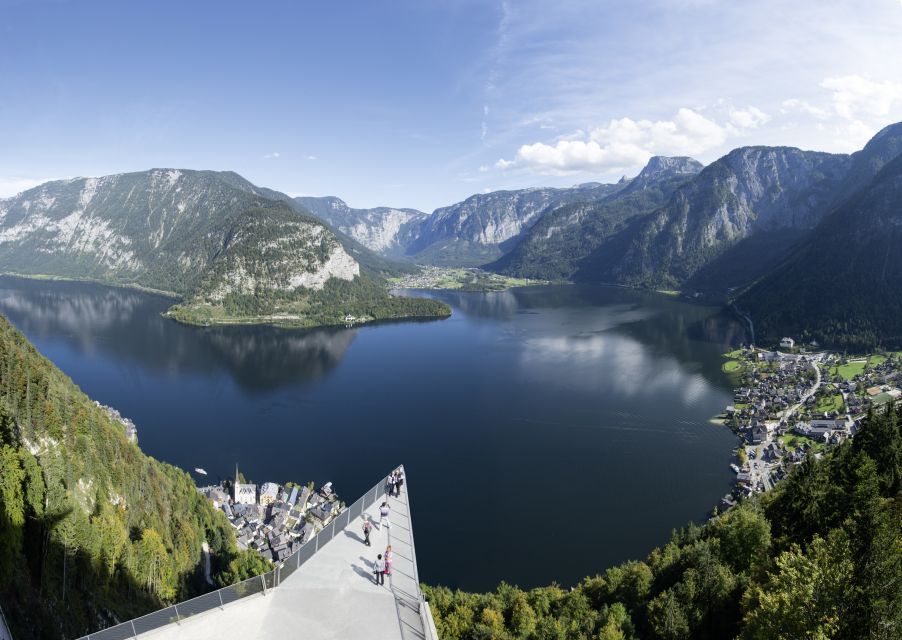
x=325 y=590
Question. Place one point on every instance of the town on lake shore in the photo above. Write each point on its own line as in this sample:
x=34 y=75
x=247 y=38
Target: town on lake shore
x=272 y=519
x=797 y=401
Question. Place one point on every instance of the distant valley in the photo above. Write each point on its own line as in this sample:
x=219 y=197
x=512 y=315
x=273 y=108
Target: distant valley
x=806 y=242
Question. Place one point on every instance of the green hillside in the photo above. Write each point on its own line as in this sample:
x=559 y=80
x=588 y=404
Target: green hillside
x=92 y=530
x=561 y=244
x=843 y=286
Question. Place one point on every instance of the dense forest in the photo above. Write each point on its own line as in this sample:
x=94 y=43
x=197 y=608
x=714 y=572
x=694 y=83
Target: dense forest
x=843 y=287
x=363 y=297
x=819 y=557
x=91 y=530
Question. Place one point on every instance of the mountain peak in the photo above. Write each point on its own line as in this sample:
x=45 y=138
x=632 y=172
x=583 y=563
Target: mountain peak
x=894 y=129
x=658 y=165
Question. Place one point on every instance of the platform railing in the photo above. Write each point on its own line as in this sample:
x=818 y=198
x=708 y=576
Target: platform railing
x=252 y=586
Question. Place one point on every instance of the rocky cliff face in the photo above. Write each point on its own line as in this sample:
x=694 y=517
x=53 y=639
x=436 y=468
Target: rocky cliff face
x=750 y=190
x=843 y=284
x=557 y=246
x=472 y=231
x=385 y=230
x=169 y=229
x=271 y=250
x=658 y=167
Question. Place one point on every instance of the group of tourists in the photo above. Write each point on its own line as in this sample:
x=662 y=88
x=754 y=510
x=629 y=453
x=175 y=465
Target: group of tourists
x=382 y=564
x=394 y=483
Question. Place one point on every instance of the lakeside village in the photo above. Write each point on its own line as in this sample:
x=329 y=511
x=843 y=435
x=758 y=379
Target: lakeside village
x=274 y=519
x=794 y=401
x=459 y=278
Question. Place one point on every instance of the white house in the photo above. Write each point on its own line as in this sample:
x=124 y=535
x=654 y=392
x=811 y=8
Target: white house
x=787 y=343
x=269 y=491
x=244 y=493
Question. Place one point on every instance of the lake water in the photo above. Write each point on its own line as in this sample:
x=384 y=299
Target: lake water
x=547 y=432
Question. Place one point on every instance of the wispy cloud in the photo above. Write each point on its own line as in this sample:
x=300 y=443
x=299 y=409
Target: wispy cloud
x=631 y=66
x=270 y=156
x=312 y=158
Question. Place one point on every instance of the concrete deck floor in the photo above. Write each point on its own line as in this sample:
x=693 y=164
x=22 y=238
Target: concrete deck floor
x=332 y=596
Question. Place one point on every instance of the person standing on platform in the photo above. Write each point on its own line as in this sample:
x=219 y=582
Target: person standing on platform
x=400 y=482
x=367 y=527
x=379 y=570
x=390 y=485
x=383 y=516
x=388 y=560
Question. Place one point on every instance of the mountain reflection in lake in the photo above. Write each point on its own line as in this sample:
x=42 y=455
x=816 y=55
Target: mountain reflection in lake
x=576 y=412
x=127 y=325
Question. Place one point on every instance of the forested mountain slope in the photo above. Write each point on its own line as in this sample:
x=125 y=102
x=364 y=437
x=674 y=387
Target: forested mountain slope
x=232 y=250
x=748 y=191
x=557 y=246
x=843 y=286
x=92 y=529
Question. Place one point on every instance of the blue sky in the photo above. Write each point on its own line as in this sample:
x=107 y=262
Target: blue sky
x=421 y=103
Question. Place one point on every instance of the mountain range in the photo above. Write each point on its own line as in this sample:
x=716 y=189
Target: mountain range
x=768 y=228
x=747 y=228
x=230 y=250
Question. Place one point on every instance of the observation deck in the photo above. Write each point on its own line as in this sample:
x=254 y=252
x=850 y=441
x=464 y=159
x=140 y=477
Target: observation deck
x=325 y=590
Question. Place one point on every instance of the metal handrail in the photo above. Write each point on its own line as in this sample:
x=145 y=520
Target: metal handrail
x=425 y=614
x=4 y=626
x=268 y=580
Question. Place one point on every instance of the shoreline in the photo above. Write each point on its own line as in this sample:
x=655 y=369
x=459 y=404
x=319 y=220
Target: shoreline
x=172 y=295
x=291 y=323
x=270 y=321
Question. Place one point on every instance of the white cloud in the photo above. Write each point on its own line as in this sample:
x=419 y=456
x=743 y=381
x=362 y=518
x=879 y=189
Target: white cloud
x=625 y=143
x=274 y=154
x=749 y=118
x=848 y=136
x=794 y=104
x=13 y=185
x=854 y=95
x=312 y=158
x=855 y=110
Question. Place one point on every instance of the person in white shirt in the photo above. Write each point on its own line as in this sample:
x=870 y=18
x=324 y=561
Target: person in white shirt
x=383 y=515
x=379 y=570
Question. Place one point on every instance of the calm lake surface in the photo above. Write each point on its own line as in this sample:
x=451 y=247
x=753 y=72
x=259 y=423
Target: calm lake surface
x=547 y=432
